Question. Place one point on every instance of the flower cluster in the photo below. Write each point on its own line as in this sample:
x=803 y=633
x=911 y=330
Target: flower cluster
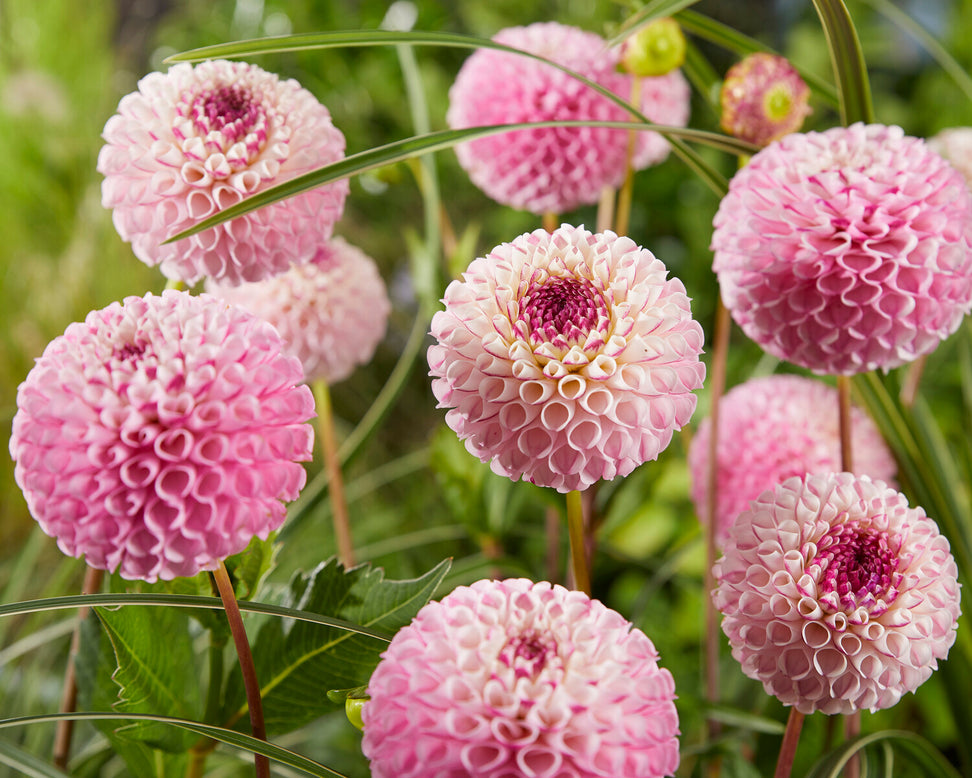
x=846 y=250
x=555 y=169
x=773 y=428
x=506 y=678
x=161 y=435
x=196 y=140
x=836 y=594
x=565 y=358
x=316 y=308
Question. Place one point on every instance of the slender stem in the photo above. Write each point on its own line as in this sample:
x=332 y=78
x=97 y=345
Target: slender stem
x=173 y=283
x=717 y=387
x=846 y=448
x=550 y=221
x=69 y=695
x=605 y=209
x=578 y=552
x=623 y=216
x=335 y=483
x=852 y=728
x=251 y=685
x=791 y=737
x=553 y=545
x=912 y=379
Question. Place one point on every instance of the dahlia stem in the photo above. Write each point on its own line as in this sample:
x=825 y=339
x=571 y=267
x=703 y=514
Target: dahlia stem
x=552 y=521
x=623 y=217
x=844 y=399
x=852 y=728
x=251 y=685
x=912 y=379
x=605 y=209
x=69 y=695
x=549 y=221
x=717 y=387
x=791 y=738
x=335 y=483
x=578 y=550
x=174 y=283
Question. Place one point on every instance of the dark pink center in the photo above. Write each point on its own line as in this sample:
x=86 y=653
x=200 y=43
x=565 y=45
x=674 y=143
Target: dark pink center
x=566 y=307
x=527 y=654
x=858 y=565
x=229 y=109
x=130 y=352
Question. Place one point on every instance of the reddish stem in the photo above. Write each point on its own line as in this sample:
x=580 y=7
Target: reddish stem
x=791 y=738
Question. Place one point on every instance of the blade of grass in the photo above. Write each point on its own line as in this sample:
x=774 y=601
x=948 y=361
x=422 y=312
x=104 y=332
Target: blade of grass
x=928 y=41
x=653 y=10
x=230 y=737
x=728 y=38
x=922 y=753
x=847 y=58
x=180 y=601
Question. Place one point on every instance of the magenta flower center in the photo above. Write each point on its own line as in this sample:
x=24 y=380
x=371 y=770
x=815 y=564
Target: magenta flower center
x=562 y=311
x=528 y=654
x=858 y=566
x=226 y=116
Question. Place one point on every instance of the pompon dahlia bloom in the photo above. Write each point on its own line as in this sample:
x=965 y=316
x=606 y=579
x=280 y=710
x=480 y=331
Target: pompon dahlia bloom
x=161 y=434
x=555 y=169
x=846 y=250
x=837 y=595
x=317 y=309
x=515 y=678
x=196 y=140
x=773 y=428
x=763 y=98
x=566 y=357
x=955 y=144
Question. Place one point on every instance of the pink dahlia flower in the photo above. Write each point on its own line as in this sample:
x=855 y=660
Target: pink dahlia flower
x=955 y=144
x=555 y=169
x=763 y=98
x=317 y=309
x=196 y=140
x=771 y=429
x=837 y=595
x=565 y=358
x=846 y=250
x=514 y=678
x=161 y=434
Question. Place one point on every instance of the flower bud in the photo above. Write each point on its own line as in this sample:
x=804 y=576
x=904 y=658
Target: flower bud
x=353 y=707
x=763 y=98
x=656 y=49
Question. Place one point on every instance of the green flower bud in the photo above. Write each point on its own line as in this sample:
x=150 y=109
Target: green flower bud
x=353 y=707
x=656 y=49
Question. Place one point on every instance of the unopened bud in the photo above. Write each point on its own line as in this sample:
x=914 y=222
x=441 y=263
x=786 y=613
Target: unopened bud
x=763 y=98
x=656 y=49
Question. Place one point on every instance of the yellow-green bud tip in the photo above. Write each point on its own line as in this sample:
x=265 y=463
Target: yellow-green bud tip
x=655 y=49
x=353 y=707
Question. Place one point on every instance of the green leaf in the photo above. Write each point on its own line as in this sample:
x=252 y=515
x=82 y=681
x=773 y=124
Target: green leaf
x=847 y=58
x=236 y=739
x=298 y=663
x=400 y=150
x=95 y=663
x=27 y=764
x=743 y=719
x=153 y=675
x=733 y=40
x=922 y=754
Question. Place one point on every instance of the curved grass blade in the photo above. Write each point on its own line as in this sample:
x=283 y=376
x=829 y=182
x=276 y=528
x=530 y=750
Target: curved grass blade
x=847 y=58
x=181 y=601
x=443 y=139
x=27 y=764
x=728 y=38
x=229 y=737
x=650 y=12
x=928 y=41
x=923 y=754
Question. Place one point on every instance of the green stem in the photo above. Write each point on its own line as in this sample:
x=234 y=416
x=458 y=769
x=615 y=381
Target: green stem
x=622 y=218
x=578 y=550
x=846 y=434
x=335 y=482
x=251 y=685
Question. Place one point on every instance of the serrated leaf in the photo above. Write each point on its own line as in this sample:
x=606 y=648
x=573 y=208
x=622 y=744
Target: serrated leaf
x=153 y=675
x=298 y=663
x=94 y=665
